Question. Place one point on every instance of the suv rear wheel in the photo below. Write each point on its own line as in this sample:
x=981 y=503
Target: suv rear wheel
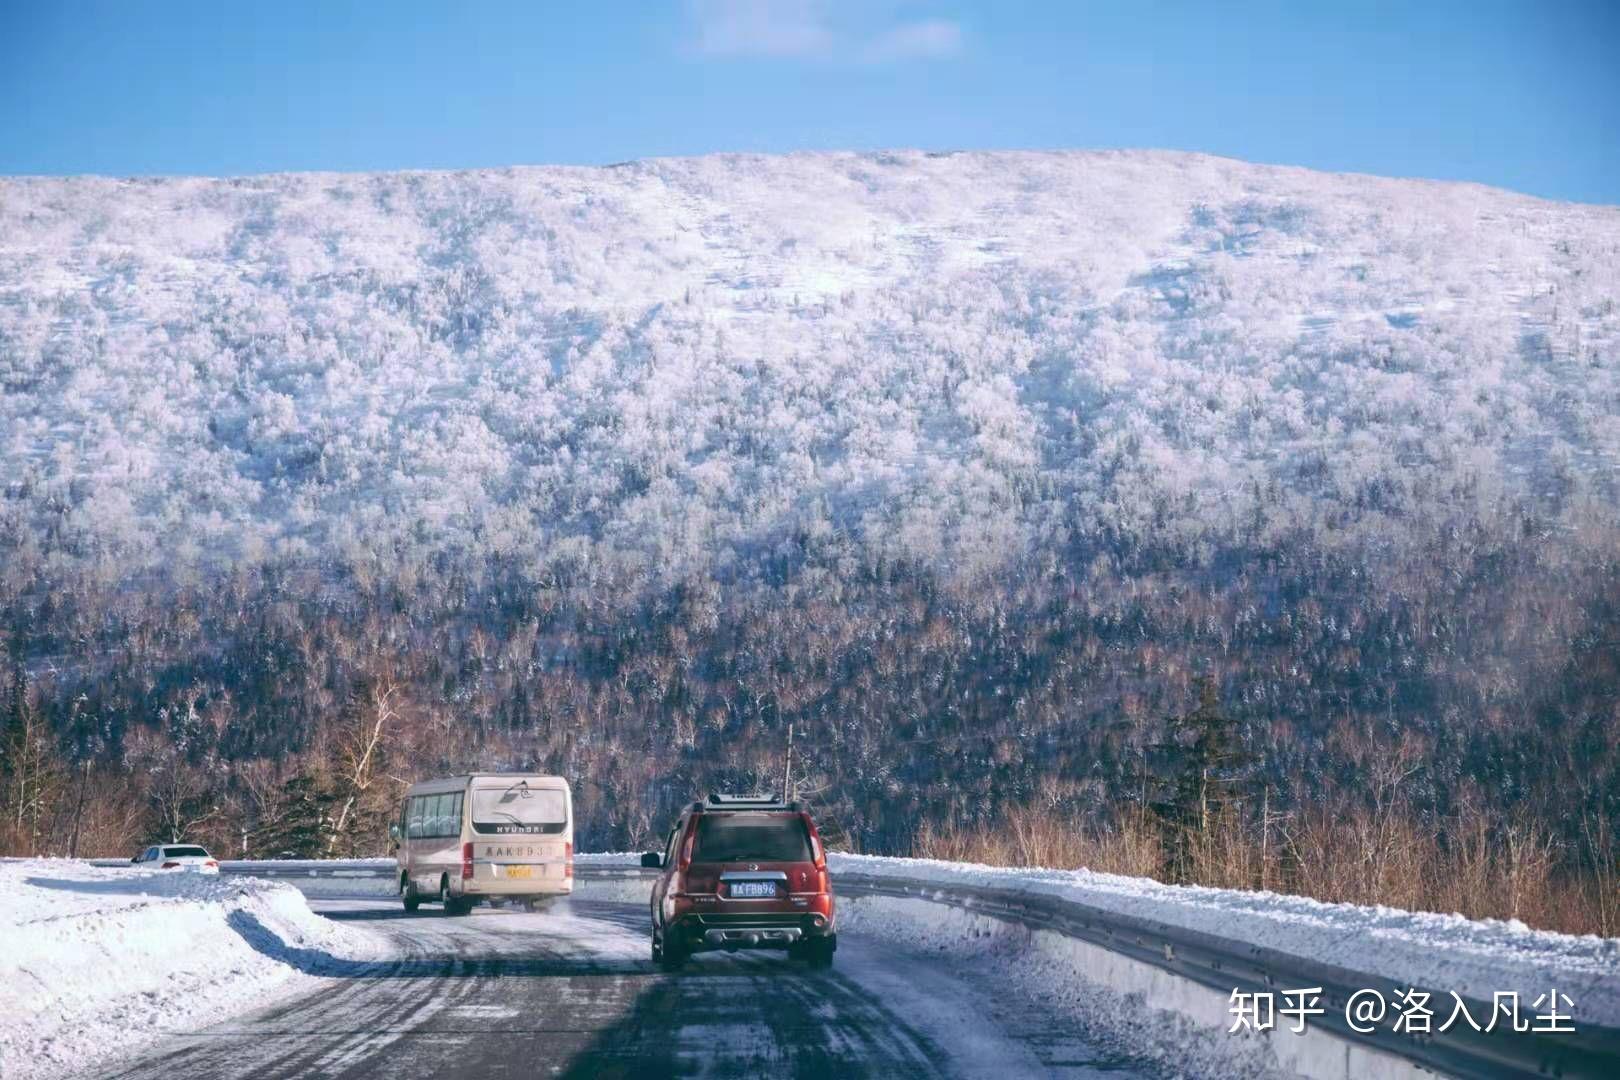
x=817 y=952
x=670 y=955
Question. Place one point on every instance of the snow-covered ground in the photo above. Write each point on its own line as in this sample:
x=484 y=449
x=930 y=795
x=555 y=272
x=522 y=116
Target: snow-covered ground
x=1113 y=1000
x=96 y=961
x=1439 y=952
x=1044 y=973
x=317 y=878
x=1475 y=958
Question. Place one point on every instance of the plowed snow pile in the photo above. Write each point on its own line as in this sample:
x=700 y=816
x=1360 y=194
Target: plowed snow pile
x=94 y=960
x=1439 y=952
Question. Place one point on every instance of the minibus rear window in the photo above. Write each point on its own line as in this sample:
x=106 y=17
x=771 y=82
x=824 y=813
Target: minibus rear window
x=519 y=809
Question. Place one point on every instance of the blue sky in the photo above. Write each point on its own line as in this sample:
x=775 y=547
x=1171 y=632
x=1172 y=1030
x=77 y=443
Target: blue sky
x=1519 y=95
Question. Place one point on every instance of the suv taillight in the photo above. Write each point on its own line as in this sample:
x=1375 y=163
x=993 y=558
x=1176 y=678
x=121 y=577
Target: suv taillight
x=685 y=862
x=568 y=858
x=466 y=862
x=818 y=850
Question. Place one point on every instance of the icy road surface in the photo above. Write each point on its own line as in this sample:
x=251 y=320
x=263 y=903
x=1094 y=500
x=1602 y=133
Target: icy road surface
x=572 y=992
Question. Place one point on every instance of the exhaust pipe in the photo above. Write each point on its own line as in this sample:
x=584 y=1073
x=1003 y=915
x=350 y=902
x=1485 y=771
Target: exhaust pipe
x=732 y=940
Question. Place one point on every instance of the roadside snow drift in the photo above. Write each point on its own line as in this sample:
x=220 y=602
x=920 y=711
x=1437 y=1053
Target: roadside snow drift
x=1471 y=956
x=94 y=960
x=1178 y=1023
x=1441 y=952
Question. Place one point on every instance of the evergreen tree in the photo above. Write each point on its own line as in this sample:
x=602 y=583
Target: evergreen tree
x=31 y=766
x=303 y=828
x=1202 y=768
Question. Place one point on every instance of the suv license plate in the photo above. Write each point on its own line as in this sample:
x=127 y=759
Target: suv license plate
x=752 y=889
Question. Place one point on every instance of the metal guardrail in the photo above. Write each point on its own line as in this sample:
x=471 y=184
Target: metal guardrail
x=270 y=868
x=1210 y=961
x=1223 y=965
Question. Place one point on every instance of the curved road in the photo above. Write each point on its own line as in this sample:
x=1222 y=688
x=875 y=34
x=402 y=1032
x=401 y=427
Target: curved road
x=571 y=992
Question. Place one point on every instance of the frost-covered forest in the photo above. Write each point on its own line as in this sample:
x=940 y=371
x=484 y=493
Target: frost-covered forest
x=967 y=465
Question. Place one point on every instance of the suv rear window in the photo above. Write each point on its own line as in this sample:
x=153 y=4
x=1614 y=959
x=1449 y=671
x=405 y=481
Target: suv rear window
x=735 y=837
x=185 y=853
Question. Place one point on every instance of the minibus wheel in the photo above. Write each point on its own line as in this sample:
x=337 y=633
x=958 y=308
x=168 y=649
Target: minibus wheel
x=407 y=895
x=452 y=905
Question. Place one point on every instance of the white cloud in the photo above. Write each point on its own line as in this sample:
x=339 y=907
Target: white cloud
x=761 y=27
x=815 y=29
x=927 y=39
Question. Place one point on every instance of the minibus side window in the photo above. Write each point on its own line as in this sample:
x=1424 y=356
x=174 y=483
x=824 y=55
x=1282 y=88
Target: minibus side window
x=414 y=826
x=447 y=816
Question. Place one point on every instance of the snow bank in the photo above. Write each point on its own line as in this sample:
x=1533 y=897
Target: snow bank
x=1438 y=952
x=1475 y=957
x=611 y=877
x=1150 y=1016
x=1172 y=1025
x=608 y=860
x=95 y=961
x=325 y=878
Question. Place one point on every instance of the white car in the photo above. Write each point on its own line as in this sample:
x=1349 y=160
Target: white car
x=182 y=858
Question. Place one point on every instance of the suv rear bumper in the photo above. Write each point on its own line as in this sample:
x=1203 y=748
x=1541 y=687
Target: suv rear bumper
x=744 y=938
x=750 y=930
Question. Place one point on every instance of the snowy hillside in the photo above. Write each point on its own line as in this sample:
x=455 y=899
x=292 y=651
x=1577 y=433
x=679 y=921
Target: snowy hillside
x=947 y=356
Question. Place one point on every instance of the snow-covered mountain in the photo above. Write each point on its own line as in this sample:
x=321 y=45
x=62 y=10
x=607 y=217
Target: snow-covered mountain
x=949 y=357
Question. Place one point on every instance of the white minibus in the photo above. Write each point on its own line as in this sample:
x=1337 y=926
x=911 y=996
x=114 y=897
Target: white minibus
x=484 y=837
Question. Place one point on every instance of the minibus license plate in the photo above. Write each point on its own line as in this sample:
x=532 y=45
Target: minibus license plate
x=752 y=889
x=519 y=871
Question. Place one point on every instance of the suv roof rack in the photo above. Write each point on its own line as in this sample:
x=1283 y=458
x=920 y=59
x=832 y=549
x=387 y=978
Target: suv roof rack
x=721 y=801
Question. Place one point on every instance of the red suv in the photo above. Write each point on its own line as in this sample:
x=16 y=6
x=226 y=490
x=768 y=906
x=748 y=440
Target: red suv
x=742 y=872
